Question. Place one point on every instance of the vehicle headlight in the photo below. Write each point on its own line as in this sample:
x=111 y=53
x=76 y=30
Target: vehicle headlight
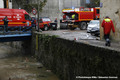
x=88 y=27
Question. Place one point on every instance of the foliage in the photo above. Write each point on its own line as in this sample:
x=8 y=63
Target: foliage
x=93 y=3
x=29 y=7
x=25 y=4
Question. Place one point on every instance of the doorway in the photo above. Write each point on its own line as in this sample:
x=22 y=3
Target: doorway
x=6 y=5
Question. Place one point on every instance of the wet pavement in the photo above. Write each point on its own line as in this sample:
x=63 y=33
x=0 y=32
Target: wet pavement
x=21 y=67
x=84 y=37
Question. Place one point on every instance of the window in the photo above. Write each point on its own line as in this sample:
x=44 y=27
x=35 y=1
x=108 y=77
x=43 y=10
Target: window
x=97 y=11
x=94 y=22
x=46 y=19
x=87 y=1
x=27 y=17
x=10 y=0
x=5 y=5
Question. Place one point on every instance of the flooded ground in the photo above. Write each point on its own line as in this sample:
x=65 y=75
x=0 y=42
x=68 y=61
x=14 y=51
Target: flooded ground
x=21 y=68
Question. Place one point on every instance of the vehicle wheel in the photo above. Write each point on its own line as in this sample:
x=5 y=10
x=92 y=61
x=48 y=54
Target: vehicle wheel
x=45 y=28
x=83 y=26
x=67 y=27
x=92 y=34
x=55 y=28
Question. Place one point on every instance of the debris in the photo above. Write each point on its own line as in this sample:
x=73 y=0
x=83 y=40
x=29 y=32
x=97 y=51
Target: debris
x=48 y=70
x=42 y=76
x=66 y=32
x=40 y=67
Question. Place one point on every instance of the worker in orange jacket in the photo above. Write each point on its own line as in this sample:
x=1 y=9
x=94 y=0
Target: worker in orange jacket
x=107 y=25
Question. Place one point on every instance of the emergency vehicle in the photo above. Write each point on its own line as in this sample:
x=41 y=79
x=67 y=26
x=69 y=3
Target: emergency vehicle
x=16 y=17
x=44 y=23
x=82 y=17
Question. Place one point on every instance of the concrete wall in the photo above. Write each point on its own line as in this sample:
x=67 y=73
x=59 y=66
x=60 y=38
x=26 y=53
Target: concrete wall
x=111 y=8
x=1 y=4
x=10 y=4
x=53 y=8
x=69 y=59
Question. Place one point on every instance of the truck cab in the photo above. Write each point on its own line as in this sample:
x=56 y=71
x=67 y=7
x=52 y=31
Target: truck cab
x=96 y=13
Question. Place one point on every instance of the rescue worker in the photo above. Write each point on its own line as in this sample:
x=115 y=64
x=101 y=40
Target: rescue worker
x=55 y=20
x=107 y=25
x=64 y=17
x=73 y=16
x=6 y=23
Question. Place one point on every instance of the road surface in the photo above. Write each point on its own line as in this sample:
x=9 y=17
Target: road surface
x=82 y=36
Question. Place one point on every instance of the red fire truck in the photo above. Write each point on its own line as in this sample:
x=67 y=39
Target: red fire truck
x=16 y=17
x=82 y=17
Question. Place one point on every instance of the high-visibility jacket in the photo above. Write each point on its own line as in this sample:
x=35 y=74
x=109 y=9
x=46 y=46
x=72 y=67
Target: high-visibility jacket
x=107 y=24
x=73 y=16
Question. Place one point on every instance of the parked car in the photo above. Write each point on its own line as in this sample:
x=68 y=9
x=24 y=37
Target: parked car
x=93 y=24
x=95 y=31
x=44 y=23
x=94 y=27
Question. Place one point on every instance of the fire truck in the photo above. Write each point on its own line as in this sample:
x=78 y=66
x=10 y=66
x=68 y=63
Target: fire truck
x=82 y=17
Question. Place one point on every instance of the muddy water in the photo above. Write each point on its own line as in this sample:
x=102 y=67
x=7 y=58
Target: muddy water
x=22 y=68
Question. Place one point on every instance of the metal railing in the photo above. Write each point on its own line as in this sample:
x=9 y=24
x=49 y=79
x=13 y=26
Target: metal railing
x=14 y=30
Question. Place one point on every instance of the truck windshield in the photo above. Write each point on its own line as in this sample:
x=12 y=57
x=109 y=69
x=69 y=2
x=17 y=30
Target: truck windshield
x=97 y=11
x=27 y=17
x=69 y=16
x=46 y=19
x=94 y=22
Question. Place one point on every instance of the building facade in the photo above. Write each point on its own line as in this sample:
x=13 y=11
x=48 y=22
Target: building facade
x=53 y=8
x=6 y=4
x=111 y=8
x=1 y=4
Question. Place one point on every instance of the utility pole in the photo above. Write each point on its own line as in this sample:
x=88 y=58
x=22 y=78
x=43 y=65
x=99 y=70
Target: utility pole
x=38 y=14
x=7 y=3
x=58 y=17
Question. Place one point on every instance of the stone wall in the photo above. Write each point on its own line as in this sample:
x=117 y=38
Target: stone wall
x=111 y=8
x=19 y=47
x=69 y=59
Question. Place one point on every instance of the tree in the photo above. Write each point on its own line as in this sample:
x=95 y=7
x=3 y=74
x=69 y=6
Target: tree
x=25 y=4
x=93 y=3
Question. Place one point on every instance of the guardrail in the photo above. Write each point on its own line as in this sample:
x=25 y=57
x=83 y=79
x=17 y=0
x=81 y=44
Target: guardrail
x=14 y=30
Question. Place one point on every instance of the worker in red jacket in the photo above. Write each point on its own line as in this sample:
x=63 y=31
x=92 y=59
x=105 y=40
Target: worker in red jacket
x=107 y=25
